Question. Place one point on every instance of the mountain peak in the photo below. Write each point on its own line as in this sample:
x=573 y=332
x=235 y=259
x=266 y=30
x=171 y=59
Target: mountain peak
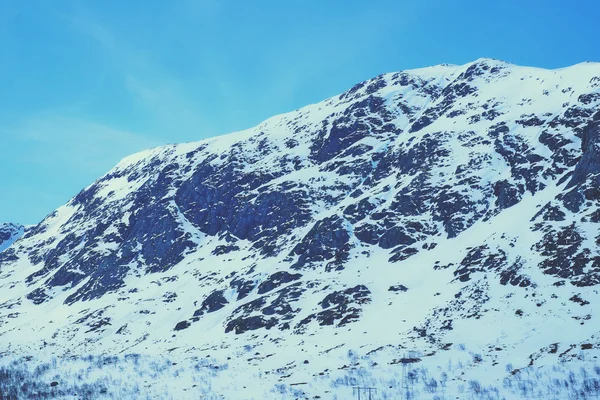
x=490 y=61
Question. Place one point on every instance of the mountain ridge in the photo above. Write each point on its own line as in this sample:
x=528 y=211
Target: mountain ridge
x=136 y=156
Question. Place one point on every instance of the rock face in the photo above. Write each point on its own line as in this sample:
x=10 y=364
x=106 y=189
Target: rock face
x=449 y=183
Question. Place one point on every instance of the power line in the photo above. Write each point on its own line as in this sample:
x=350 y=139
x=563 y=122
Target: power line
x=358 y=390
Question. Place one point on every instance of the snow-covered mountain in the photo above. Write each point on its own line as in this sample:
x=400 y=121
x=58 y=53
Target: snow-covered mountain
x=424 y=216
x=9 y=233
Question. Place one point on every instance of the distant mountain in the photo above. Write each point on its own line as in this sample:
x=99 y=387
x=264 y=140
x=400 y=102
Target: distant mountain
x=422 y=212
x=9 y=233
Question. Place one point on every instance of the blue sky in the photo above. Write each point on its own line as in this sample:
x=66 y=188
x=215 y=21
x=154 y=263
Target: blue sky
x=85 y=83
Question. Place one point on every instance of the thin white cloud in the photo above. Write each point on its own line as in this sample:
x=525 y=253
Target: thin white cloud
x=58 y=141
x=162 y=95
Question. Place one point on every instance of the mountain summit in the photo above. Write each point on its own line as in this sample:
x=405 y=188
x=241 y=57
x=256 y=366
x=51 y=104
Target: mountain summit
x=421 y=211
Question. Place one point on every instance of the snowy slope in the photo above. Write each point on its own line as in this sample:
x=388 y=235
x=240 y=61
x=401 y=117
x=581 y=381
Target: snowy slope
x=449 y=212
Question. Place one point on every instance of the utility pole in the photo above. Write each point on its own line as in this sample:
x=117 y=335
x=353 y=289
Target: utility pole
x=356 y=389
x=370 y=391
x=407 y=362
x=405 y=377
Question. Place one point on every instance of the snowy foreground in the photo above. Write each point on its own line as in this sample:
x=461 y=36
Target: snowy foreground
x=143 y=377
x=434 y=232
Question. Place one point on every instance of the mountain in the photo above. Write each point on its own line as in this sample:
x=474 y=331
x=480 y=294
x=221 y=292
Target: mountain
x=444 y=215
x=9 y=233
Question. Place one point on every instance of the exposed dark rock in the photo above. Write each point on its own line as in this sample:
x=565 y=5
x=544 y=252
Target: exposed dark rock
x=276 y=280
x=243 y=287
x=224 y=249
x=242 y=324
x=328 y=240
x=564 y=257
x=577 y=299
x=349 y=128
x=550 y=213
x=38 y=296
x=480 y=259
x=590 y=161
x=395 y=236
x=182 y=325
x=359 y=211
x=507 y=194
x=398 y=288
x=340 y=307
x=213 y=302
x=278 y=306
x=401 y=254
x=512 y=276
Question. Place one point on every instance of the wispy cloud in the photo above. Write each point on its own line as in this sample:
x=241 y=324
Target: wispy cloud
x=151 y=86
x=71 y=143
